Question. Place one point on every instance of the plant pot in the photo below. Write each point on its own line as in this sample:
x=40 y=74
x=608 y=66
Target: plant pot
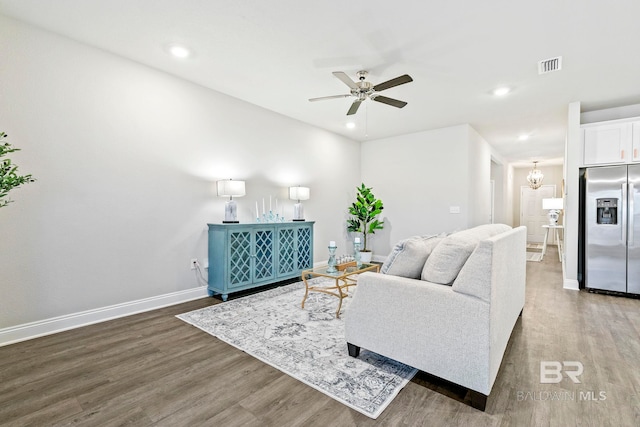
x=365 y=256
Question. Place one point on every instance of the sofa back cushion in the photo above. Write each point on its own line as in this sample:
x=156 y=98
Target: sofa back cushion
x=409 y=255
x=446 y=260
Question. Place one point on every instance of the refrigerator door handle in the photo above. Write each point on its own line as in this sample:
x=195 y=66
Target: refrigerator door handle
x=630 y=213
x=623 y=213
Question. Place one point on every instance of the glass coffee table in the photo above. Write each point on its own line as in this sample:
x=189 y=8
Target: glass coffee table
x=343 y=280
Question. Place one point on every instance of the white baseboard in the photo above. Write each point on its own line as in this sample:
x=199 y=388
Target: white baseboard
x=53 y=325
x=571 y=284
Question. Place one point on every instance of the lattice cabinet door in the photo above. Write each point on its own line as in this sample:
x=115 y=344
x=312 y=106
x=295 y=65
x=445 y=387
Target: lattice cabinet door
x=263 y=257
x=286 y=251
x=239 y=258
x=304 y=248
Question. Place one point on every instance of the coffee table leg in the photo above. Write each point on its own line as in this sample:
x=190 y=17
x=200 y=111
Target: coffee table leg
x=341 y=297
x=306 y=290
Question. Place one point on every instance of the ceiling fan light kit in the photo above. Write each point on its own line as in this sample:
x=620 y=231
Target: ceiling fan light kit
x=363 y=90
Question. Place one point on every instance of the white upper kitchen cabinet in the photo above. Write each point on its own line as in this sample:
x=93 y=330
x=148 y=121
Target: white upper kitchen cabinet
x=610 y=143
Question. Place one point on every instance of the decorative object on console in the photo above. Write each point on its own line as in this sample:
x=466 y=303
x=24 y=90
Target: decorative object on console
x=268 y=217
x=535 y=177
x=554 y=206
x=332 y=257
x=365 y=211
x=298 y=193
x=356 y=252
x=230 y=188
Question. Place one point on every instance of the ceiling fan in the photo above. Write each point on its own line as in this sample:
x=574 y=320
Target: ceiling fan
x=363 y=90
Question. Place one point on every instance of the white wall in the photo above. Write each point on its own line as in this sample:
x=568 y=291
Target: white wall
x=420 y=175
x=501 y=173
x=125 y=159
x=479 y=176
x=573 y=154
x=499 y=176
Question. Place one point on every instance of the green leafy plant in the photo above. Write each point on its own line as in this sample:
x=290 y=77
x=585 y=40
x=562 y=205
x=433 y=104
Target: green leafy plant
x=364 y=213
x=9 y=178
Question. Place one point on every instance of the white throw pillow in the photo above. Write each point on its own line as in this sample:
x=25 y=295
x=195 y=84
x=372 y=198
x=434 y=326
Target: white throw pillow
x=409 y=255
x=446 y=260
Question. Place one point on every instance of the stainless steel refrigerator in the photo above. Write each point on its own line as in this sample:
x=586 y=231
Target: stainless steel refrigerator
x=612 y=228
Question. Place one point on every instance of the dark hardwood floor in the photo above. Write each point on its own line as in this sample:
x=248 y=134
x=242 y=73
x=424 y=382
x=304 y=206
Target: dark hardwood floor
x=152 y=369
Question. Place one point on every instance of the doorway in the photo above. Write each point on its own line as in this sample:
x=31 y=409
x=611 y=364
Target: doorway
x=531 y=213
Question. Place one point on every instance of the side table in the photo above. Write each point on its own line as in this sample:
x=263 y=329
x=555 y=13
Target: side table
x=556 y=229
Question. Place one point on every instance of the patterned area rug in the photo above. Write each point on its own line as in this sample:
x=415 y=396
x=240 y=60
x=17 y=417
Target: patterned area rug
x=307 y=344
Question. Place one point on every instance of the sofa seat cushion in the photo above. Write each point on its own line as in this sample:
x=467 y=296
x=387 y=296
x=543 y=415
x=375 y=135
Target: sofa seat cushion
x=448 y=257
x=409 y=255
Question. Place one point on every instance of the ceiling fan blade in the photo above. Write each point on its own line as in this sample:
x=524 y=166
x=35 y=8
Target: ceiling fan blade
x=390 y=101
x=322 y=98
x=354 y=107
x=345 y=79
x=393 y=82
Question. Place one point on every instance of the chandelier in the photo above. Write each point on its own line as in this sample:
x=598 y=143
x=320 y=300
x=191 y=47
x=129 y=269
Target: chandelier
x=535 y=177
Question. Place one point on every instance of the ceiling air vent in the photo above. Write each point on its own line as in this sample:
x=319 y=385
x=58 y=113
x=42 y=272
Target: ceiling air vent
x=549 y=65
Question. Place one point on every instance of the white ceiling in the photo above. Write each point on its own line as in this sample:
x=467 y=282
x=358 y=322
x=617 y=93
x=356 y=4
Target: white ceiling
x=278 y=53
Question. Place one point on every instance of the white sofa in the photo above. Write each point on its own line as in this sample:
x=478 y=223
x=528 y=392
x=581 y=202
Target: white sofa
x=456 y=328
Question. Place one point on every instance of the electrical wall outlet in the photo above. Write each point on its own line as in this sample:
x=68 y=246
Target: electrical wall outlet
x=194 y=263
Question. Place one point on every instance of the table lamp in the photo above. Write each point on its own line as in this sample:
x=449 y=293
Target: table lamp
x=554 y=206
x=298 y=193
x=230 y=188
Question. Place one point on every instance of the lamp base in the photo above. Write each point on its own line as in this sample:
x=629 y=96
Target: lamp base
x=553 y=216
x=298 y=212
x=230 y=212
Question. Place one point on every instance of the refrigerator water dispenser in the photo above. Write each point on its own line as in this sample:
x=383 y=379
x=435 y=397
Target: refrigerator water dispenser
x=607 y=211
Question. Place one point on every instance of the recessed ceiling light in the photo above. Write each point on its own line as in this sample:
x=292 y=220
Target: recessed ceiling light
x=351 y=125
x=501 y=91
x=523 y=137
x=179 y=51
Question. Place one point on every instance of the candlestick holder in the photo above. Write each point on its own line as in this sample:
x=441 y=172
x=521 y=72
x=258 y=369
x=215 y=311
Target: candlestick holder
x=332 y=260
x=356 y=254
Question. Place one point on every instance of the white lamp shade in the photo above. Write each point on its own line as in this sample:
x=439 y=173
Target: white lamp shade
x=299 y=193
x=555 y=203
x=229 y=187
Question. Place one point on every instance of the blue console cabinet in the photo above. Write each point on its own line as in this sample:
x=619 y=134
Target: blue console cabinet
x=244 y=256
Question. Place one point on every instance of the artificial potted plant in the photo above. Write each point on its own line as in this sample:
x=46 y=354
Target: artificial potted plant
x=9 y=178
x=365 y=211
